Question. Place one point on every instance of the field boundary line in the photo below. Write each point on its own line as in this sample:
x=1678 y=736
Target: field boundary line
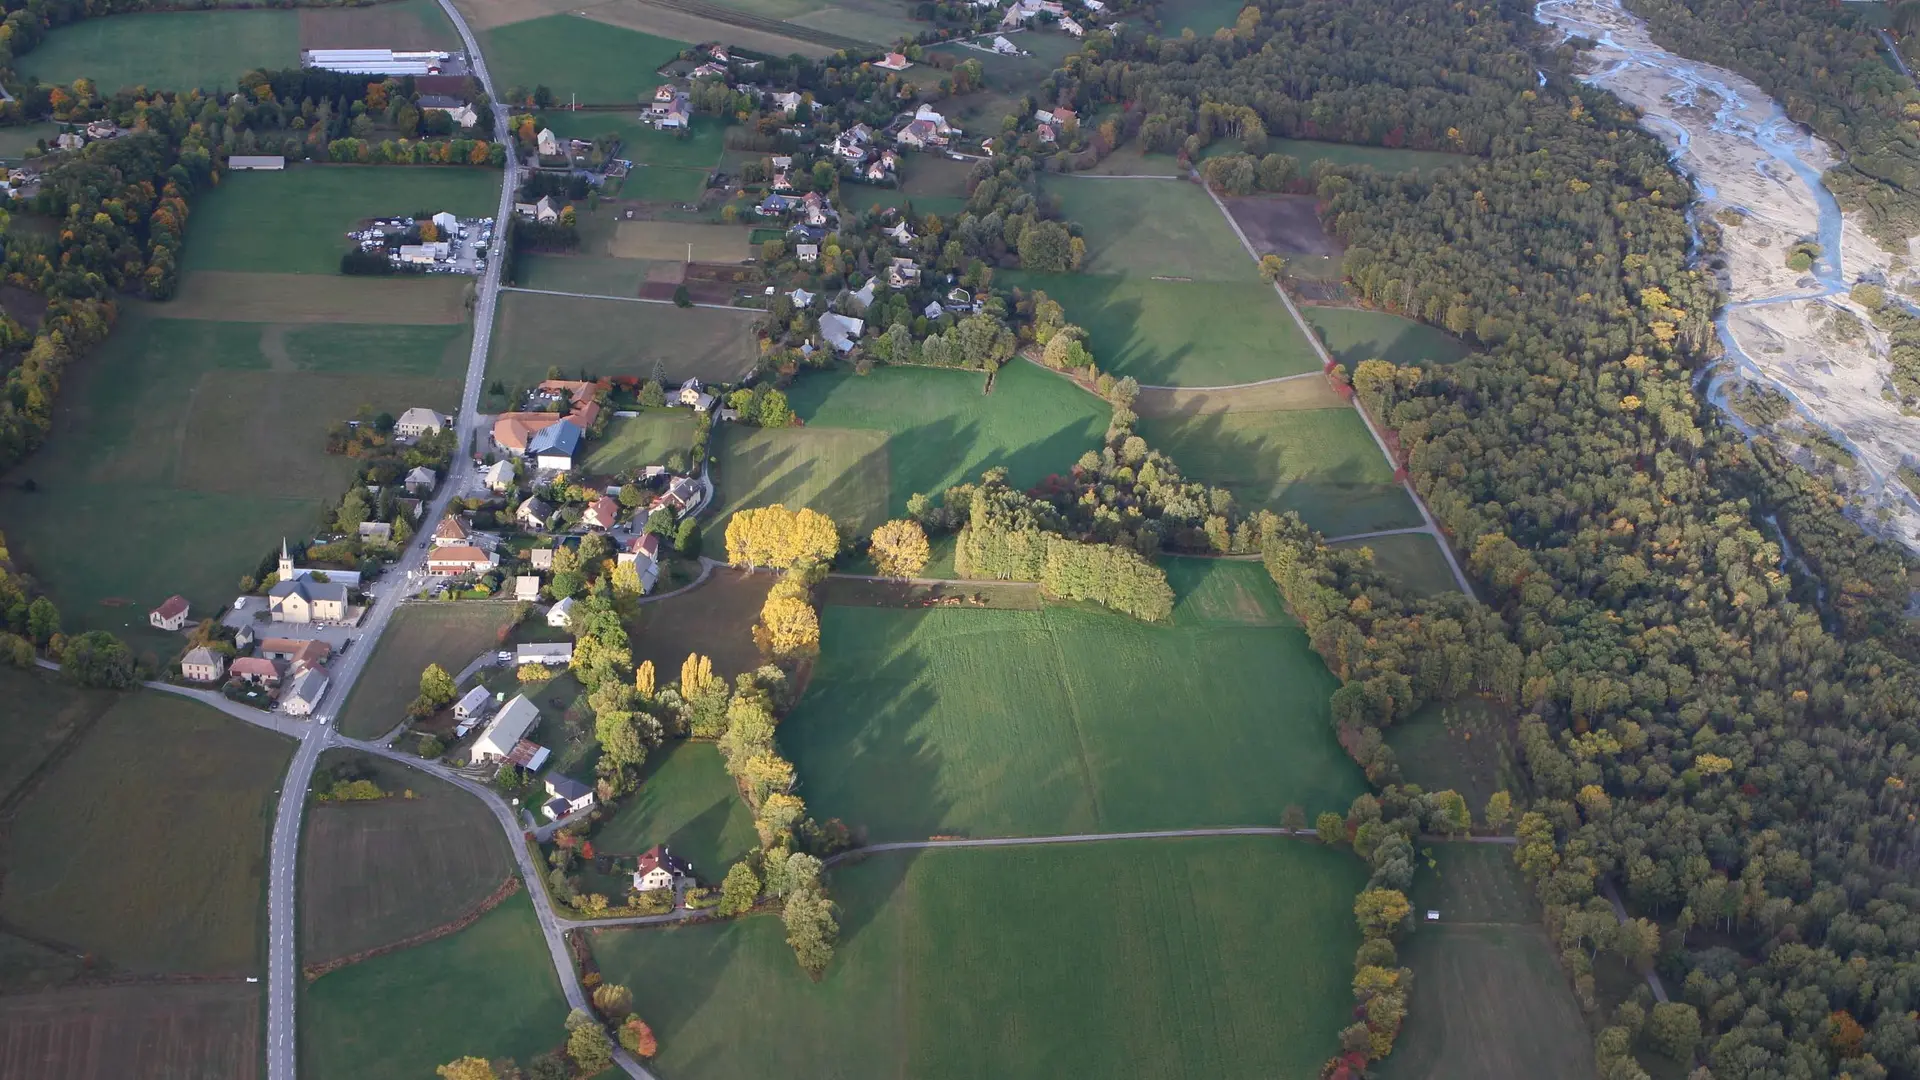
x=1157 y=386
x=1408 y=531
x=499 y=895
x=1121 y=176
x=624 y=299
x=1067 y=838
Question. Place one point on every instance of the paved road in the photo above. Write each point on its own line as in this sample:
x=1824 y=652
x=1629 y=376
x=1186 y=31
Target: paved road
x=628 y=299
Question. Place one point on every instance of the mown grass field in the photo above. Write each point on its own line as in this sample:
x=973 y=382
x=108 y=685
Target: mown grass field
x=308 y=209
x=42 y=713
x=1179 y=333
x=1320 y=463
x=995 y=723
x=174 y=425
x=618 y=337
x=635 y=441
x=449 y=634
x=687 y=802
x=715 y=620
x=872 y=441
x=1203 y=17
x=377 y=872
x=1153 y=228
x=1413 y=559
x=929 y=184
x=236 y=296
x=670 y=241
x=1384 y=158
x=1462 y=746
x=152 y=1032
x=1353 y=335
x=674 y=24
x=489 y=991
x=644 y=144
x=1489 y=998
x=1149 y=959
x=577 y=58
x=171 y=795
x=172 y=50
x=17 y=140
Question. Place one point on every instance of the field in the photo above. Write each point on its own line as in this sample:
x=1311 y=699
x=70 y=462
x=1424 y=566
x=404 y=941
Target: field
x=618 y=337
x=635 y=441
x=1412 y=559
x=1284 y=224
x=1353 y=335
x=450 y=635
x=1302 y=393
x=687 y=802
x=1489 y=998
x=715 y=620
x=376 y=873
x=172 y=50
x=489 y=990
x=577 y=58
x=233 y=296
x=707 y=23
x=992 y=723
x=42 y=713
x=671 y=241
x=1386 y=159
x=1461 y=746
x=931 y=185
x=133 y=1033
x=1151 y=228
x=1203 y=17
x=94 y=825
x=308 y=210
x=405 y=24
x=1162 y=959
x=643 y=144
x=871 y=442
x=1320 y=463
x=17 y=140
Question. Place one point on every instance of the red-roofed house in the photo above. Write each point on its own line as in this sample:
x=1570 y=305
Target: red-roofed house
x=601 y=512
x=171 y=615
x=257 y=670
x=458 y=559
x=659 y=869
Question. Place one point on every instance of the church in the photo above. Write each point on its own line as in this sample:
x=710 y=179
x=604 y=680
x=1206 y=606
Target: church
x=302 y=595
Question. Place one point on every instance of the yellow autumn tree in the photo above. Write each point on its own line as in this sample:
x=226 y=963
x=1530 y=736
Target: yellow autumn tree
x=788 y=624
x=695 y=673
x=900 y=548
x=643 y=678
x=778 y=537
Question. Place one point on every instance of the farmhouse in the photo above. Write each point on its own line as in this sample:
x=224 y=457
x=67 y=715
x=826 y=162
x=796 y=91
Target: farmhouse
x=171 y=615
x=304 y=695
x=459 y=559
x=257 y=162
x=477 y=702
x=561 y=614
x=658 y=869
x=449 y=532
x=553 y=447
x=693 y=397
x=552 y=654
x=421 y=480
x=202 y=664
x=894 y=62
x=570 y=796
x=416 y=422
x=506 y=730
x=546 y=144
x=257 y=670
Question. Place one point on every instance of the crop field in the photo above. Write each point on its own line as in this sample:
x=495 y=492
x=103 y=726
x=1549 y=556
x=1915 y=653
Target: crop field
x=881 y=22
x=1320 y=463
x=687 y=802
x=715 y=620
x=1179 y=333
x=171 y=50
x=670 y=241
x=378 y=872
x=665 y=184
x=1161 y=959
x=578 y=58
x=1386 y=159
x=1462 y=746
x=991 y=723
x=618 y=337
x=1283 y=224
x=1412 y=559
x=635 y=441
x=589 y=275
x=449 y=634
x=153 y=1032
x=643 y=144
x=1353 y=335
x=91 y=827
x=680 y=21
x=1151 y=228
x=394 y=24
x=42 y=713
x=489 y=990
x=1302 y=393
x=1489 y=998
x=232 y=296
x=871 y=442
x=308 y=210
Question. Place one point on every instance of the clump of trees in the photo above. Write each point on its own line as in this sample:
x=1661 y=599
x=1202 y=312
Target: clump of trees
x=1014 y=537
x=899 y=548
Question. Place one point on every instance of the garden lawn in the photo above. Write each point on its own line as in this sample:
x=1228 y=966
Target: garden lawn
x=687 y=802
x=373 y=873
x=1220 y=957
x=166 y=793
x=1179 y=333
x=575 y=57
x=1320 y=463
x=449 y=634
x=643 y=144
x=1153 y=228
x=618 y=337
x=872 y=441
x=631 y=442
x=489 y=991
x=308 y=210
x=171 y=50
x=1412 y=559
x=202 y=444
x=1353 y=335
x=1015 y=723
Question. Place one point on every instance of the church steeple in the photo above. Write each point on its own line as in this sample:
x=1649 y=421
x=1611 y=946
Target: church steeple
x=286 y=561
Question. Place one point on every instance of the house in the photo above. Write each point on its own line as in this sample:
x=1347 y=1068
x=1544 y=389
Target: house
x=540 y=558
x=862 y=297
x=506 y=729
x=416 y=422
x=553 y=447
x=787 y=102
x=776 y=205
x=852 y=143
x=781 y=182
x=561 y=614
x=800 y=297
x=171 y=615
x=900 y=233
x=376 y=532
x=671 y=108
x=304 y=695
x=841 y=331
x=545 y=212
x=553 y=654
x=526 y=587
x=446 y=223
x=546 y=144
x=894 y=62
x=902 y=273
x=1004 y=47
x=459 y=559
x=410 y=507
x=450 y=532
x=939 y=122
x=534 y=514
x=421 y=480
x=601 y=513
x=877 y=171
x=512 y=431
x=526 y=210
x=659 y=869
x=202 y=664
x=1072 y=27
x=257 y=670
x=462 y=115
x=298 y=653
x=814 y=205
x=476 y=702
x=681 y=494
x=719 y=53
x=933 y=310
x=783 y=161
x=691 y=396
x=498 y=476
x=256 y=163
x=708 y=71
x=570 y=796
x=917 y=135
x=807 y=253
x=643 y=553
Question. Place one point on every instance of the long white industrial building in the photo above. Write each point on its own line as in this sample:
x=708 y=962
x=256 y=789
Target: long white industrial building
x=374 y=61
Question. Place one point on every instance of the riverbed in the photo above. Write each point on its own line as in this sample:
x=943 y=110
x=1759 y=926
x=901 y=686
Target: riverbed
x=1759 y=175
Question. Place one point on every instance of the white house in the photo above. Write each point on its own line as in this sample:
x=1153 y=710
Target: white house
x=546 y=143
x=526 y=587
x=561 y=614
x=202 y=664
x=570 y=796
x=807 y=253
x=376 y=532
x=659 y=869
x=445 y=222
x=552 y=654
x=498 y=476
x=506 y=729
x=304 y=695
x=171 y=615
x=416 y=422
x=476 y=703
x=787 y=102
x=456 y=559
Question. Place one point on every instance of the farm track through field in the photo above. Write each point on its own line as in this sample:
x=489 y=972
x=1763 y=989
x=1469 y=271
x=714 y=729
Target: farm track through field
x=733 y=17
